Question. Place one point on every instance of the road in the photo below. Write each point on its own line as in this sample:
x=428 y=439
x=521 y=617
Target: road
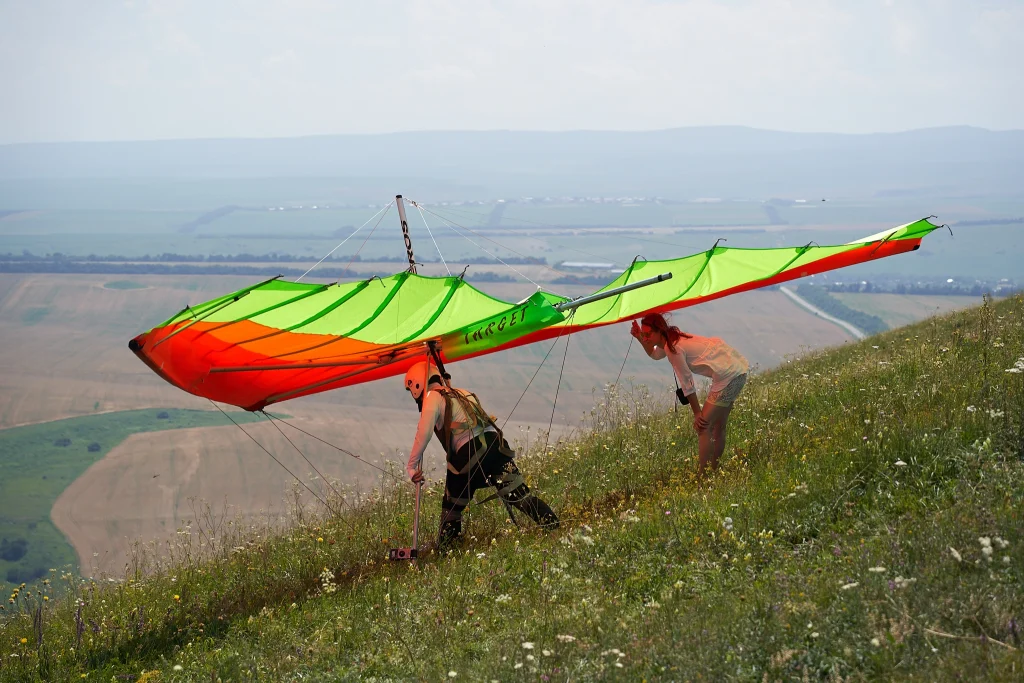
x=822 y=314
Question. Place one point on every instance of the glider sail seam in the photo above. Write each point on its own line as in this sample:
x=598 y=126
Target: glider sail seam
x=278 y=340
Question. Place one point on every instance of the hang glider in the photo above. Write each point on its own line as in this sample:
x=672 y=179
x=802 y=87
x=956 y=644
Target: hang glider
x=279 y=340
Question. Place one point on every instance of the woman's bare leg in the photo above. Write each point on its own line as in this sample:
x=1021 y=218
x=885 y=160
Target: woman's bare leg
x=711 y=443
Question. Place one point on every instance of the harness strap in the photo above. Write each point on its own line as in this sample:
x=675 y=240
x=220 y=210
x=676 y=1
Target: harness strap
x=507 y=487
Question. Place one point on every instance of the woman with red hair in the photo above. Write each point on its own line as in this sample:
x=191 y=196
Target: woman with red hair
x=690 y=354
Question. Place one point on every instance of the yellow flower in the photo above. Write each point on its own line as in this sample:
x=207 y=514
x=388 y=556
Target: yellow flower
x=24 y=640
x=46 y=598
x=320 y=539
x=177 y=597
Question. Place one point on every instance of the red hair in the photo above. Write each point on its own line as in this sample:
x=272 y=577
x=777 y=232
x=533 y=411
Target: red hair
x=672 y=334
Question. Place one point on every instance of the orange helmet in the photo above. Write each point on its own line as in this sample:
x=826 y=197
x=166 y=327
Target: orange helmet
x=418 y=377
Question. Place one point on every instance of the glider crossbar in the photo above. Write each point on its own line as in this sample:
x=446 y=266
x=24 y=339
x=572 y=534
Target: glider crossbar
x=573 y=304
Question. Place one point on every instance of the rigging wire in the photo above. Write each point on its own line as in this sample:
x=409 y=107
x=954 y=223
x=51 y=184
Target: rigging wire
x=535 y=372
x=624 y=361
x=558 y=386
x=557 y=227
x=384 y=209
x=418 y=208
x=452 y=227
x=538 y=239
x=263 y=448
x=297 y=450
x=451 y=223
x=335 y=447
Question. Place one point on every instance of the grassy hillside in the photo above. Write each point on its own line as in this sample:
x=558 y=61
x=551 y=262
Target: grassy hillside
x=866 y=525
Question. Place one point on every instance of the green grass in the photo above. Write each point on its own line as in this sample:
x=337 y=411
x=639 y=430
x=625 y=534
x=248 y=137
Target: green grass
x=844 y=538
x=37 y=462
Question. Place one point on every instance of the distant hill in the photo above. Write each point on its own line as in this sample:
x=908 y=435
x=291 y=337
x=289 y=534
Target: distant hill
x=722 y=161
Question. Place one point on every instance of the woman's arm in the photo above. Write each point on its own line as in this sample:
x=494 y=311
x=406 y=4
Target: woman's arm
x=653 y=350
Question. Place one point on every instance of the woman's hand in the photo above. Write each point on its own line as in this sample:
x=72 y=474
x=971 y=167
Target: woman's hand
x=635 y=331
x=700 y=423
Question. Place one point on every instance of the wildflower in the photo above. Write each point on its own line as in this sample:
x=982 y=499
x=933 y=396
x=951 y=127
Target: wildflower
x=900 y=582
x=900 y=463
x=1002 y=543
x=527 y=646
x=453 y=674
x=177 y=667
x=971 y=409
x=848 y=586
x=814 y=635
x=995 y=413
x=1006 y=559
x=875 y=642
x=24 y=640
x=504 y=597
x=320 y=539
x=519 y=665
x=956 y=555
x=530 y=658
x=177 y=598
x=727 y=523
x=546 y=653
x=876 y=570
x=566 y=639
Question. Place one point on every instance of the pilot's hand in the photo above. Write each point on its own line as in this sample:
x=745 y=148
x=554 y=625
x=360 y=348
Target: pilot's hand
x=417 y=477
x=635 y=330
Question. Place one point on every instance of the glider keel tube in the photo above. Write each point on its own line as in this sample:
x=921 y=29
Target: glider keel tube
x=573 y=304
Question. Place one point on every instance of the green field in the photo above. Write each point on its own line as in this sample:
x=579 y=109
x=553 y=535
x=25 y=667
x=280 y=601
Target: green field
x=37 y=462
x=866 y=525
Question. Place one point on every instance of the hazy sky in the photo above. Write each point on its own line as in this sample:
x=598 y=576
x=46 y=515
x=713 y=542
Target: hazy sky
x=116 y=70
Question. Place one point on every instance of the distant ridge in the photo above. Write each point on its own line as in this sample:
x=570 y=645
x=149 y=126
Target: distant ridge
x=725 y=161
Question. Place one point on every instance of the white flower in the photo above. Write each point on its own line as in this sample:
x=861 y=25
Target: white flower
x=1002 y=543
x=900 y=463
x=875 y=642
x=527 y=646
x=876 y=570
x=530 y=658
x=453 y=674
x=956 y=555
x=177 y=667
x=971 y=409
x=1006 y=559
x=546 y=653
x=848 y=586
x=995 y=413
x=566 y=639
x=987 y=552
x=985 y=541
x=504 y=597
x=814 y=635
x=519 y=665
x=727 y=523
x=903 y=583
x=481 y=555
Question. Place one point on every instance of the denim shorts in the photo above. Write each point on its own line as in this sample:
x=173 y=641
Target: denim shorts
x=727 y=394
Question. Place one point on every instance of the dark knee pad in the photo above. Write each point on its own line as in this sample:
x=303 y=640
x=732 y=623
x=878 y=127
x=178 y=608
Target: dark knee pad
x=537 y=510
